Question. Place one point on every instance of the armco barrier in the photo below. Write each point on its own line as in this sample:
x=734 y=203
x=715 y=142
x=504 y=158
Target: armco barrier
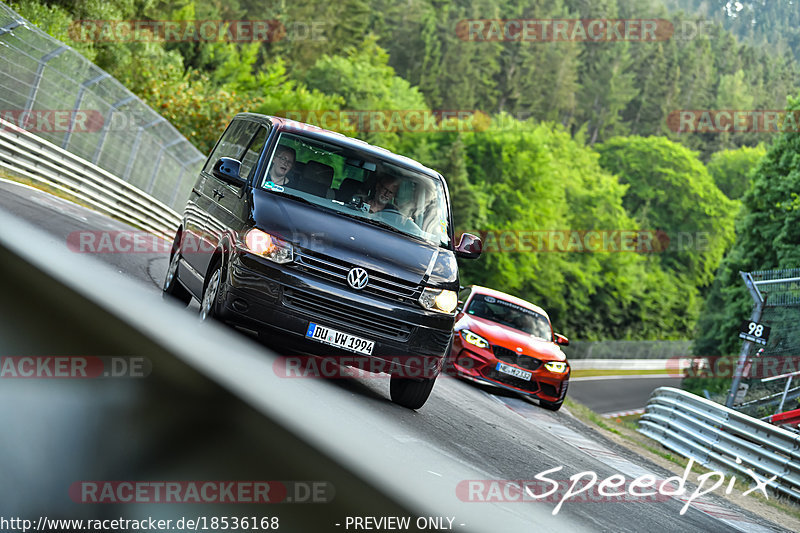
x=716 y=436
x=49 y=89
x=30 y=156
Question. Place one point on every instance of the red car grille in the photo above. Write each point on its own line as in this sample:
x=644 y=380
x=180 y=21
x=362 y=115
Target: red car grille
x=510 y=356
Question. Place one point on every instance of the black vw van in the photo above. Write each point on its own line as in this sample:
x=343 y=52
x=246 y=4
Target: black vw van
x=326 y=245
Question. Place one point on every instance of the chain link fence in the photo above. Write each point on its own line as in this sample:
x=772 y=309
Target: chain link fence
x=52 y=91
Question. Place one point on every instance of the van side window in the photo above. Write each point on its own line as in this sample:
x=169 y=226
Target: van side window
x=253 y=151
x=233 y=142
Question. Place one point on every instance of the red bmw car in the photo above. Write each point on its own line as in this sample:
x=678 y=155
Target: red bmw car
x=509 y=343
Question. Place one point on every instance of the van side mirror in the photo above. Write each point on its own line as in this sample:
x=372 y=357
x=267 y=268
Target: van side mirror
x=227 y=169
x=558 y=338
x=469 y=247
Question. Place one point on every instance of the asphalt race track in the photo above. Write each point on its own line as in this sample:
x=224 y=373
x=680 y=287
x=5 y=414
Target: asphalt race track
x=463 y=426
x=606 y=394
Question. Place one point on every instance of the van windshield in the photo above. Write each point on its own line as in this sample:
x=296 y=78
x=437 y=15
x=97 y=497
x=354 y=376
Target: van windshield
x=356 y=183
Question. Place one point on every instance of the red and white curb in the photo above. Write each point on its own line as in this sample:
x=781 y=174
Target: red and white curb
x=619 y=414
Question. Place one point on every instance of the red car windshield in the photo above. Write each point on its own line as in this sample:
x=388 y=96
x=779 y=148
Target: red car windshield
x=511 y=315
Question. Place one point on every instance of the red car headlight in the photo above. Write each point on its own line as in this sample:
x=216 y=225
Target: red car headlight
x=556 y=366
x=474 y=339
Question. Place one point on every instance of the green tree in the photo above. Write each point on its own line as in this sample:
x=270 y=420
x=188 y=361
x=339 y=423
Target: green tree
x=767 y=234
x=535 y=178
x=365 y=81
x=670 y=190
x=731 y=169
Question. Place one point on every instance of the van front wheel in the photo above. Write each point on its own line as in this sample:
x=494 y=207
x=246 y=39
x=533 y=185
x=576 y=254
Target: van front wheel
x=410 y=393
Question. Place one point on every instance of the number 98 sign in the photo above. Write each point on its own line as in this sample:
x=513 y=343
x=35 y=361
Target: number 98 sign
x=754 y=332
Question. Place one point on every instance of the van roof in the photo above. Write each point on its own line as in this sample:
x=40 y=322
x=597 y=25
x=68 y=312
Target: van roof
x=294 y=126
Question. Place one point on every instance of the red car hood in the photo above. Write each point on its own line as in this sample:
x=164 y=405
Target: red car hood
x=512 y=338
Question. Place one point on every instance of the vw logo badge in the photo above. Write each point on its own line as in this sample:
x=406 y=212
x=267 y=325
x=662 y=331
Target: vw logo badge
x=357 y=278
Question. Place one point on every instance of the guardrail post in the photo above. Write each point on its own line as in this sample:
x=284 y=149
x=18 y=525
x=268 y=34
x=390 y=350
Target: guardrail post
x=38 y=78
x=8 y=28
x=755 y=316
x=158 y=163
x=785 y=392
x=85 y=85
x=136 y=143
x=107 y=126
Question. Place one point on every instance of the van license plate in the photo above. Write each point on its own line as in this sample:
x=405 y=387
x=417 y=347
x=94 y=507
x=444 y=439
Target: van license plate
x=330 y=336
x=513 y=371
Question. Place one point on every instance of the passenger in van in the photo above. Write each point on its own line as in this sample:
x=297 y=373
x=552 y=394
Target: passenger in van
x=282 y=165
x=385 y=191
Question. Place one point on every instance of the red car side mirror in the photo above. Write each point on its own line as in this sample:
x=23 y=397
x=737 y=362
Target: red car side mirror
x=558 y=338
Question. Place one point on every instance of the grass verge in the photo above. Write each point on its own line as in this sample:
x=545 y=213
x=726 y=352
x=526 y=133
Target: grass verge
x=45 y=187
x=589 y=372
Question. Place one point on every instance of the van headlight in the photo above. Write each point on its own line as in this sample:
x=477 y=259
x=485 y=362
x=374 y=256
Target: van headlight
x=268 y=246
x=440 y=300
x=556 y=366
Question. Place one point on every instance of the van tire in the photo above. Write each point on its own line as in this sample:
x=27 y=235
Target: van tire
x=209 y=305
x=410 y=393
x=172 y=288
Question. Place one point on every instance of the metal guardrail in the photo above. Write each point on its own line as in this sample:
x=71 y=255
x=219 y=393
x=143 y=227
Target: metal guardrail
x=30 y=156
x=715 y=436
x=107 y=124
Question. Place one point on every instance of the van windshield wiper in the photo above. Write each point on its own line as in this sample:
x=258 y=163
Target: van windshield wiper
x=292 y=196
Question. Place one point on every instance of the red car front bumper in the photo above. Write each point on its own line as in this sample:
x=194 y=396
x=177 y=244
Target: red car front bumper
x=482 y=364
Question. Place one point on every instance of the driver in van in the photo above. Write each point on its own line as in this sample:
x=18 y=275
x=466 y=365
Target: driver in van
x=282 y=164
x=385 y=191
